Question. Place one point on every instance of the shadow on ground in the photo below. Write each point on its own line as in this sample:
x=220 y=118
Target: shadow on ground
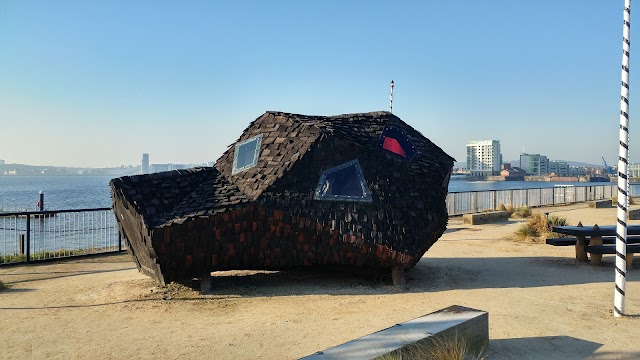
x=546 y=347
x=429 y=275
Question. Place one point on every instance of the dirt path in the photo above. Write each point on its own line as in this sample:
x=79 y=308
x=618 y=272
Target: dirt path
x=541 y=304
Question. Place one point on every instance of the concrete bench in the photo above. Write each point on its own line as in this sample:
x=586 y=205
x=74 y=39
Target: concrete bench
x=485 y=217
x=600 y=204
x=634 y=214
x=468 y=325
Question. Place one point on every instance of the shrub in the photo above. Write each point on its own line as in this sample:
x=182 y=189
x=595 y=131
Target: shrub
x=507 y=208
x=452 y=347
x=539 y=223
x=527 y=233
x=522 y=212
x=614 y=200
x=538 y=228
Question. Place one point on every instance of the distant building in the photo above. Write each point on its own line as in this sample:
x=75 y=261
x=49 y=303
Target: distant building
x=534 y=164
x=512 y=173
x=484 y=157
x=633 y=170
x=560 y=168
x=178 y=166
x=145 y=164
x=155 y=168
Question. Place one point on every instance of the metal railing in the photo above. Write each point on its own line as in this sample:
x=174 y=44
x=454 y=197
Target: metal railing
x=28 y=236
x=459 y=203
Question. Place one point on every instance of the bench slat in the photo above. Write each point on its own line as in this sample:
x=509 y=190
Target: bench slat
x=568 y=241
x=609 y=249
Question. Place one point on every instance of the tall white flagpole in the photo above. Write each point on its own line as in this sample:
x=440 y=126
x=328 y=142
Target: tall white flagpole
x=623 y=163
x=391 y=98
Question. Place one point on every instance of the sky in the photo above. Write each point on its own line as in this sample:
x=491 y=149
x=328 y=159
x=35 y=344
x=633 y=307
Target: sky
x=98 y=83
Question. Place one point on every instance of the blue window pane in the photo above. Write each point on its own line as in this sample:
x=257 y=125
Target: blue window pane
x=343 y=182
x=246 y=154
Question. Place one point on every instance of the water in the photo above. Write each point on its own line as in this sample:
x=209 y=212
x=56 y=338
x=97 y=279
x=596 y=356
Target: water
x=62 y=234
x=61 y=192
x=83 y=192
x=97 y=231
x=462 y=185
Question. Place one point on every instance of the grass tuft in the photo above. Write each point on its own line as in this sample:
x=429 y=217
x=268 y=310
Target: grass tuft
x=538 y=228
x=451 y=347
x=508 y=208
x=13 y=258
x=522 y=212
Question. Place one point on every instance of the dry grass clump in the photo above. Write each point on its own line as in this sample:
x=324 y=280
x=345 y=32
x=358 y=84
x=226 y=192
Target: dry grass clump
x=441 y=348
x=538 y=228
x=508 y=208
x=522 y=212
x=614 y=200
x=2 y=287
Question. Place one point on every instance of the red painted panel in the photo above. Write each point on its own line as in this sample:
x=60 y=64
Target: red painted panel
x=394 y=146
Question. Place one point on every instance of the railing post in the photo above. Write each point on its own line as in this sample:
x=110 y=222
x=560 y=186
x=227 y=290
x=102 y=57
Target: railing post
x=495 y=200
x=511 y=197
x=455 y=201
x=21 y=244
x=28 y=238
x=474 y=200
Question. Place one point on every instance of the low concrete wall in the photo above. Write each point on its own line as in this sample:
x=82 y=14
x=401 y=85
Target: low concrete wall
x=600 y=204
x=465 y=324
x=485 y=217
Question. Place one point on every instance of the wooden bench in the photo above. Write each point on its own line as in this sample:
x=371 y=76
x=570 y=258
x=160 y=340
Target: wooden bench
x=602 y=245
x=485 y=217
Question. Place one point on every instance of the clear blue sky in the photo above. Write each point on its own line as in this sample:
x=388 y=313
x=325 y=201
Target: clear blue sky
x=97 y=83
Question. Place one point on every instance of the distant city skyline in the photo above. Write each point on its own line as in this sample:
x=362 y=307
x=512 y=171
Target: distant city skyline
x=96 y=84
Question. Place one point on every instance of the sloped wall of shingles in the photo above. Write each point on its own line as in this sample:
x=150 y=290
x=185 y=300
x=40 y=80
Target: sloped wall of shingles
x=284 y=141
x=143 y=202
x=256 y=237
x=137 y=236
x=407 y=215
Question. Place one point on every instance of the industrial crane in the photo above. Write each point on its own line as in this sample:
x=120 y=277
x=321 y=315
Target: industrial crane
x=607 y=168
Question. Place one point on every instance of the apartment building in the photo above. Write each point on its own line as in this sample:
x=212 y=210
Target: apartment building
x=484 y=157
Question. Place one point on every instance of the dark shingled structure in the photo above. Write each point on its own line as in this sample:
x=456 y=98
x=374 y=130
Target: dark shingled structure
x=361 y=190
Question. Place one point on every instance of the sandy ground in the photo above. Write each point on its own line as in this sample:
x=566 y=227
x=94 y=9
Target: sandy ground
x=541 y=304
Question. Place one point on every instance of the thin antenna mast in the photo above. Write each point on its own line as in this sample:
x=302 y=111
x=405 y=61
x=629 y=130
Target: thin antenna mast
x=391 y=98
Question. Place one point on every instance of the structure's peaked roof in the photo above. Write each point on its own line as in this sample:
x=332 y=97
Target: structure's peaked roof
x=288 y=137
x=165 y=197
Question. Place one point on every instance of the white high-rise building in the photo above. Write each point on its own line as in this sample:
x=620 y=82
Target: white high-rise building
x=484 y=157
x=144 y=169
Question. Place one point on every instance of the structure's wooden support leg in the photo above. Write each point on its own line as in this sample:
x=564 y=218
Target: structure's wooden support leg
x=629 y=260
x=397 y=274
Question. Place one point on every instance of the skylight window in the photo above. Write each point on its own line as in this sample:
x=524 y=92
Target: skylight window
x=395 y=140
x=246 y=154
x=343 y=182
